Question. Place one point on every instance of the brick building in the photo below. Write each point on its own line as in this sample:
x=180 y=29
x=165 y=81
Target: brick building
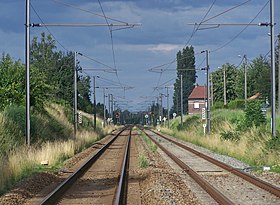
x=197 y=100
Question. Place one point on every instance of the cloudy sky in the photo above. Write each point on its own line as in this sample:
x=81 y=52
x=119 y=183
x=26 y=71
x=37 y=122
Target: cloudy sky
x=165 y=30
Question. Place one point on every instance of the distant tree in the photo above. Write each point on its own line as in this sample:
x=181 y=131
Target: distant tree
x=186 y=68
x=84 y=102
x=259 y=77
x=58 y=68
x=11 y=82
x=231 y=74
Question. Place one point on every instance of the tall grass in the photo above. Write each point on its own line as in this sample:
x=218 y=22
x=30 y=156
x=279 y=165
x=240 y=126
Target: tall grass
x=250 y=148
x=21 y=160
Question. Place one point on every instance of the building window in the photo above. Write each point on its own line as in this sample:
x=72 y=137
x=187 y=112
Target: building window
x=196 y=105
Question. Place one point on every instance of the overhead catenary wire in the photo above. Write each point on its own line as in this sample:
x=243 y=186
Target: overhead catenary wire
x=47 y=28
x=112 y=41
x=87 y=11
x=226 y=11
x=90 y=58
x=188 y=41
x=236 y=36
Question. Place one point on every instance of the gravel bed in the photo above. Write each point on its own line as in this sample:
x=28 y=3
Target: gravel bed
x=161 y=184
x=270 y=177
x=223 y=158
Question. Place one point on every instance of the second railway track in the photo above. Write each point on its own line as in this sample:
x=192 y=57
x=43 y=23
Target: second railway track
x=224 y=183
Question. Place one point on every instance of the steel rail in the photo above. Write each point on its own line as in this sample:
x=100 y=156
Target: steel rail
x=212 y=191
x=123 y=182
x=56 y=194
x=256 y=181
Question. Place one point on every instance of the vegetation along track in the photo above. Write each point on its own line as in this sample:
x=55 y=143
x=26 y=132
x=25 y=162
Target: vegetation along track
x=222 y=182
x=100 y=180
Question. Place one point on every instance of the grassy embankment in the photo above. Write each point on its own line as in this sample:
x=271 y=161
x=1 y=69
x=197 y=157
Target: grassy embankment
x=52 y=139
x=250 y=145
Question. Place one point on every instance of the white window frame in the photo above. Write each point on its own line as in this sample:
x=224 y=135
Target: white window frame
x=196 y=105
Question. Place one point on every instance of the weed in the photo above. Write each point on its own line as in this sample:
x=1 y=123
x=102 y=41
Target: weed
x=230 y=135
x=151 y=145
x=143 y=161
x=18 y=161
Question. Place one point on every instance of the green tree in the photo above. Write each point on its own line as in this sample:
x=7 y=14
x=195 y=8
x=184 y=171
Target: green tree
x=253 y=114
x=186 y=68
x=12 y=78
x=12 y=84
x=231 y=75
x=84 y=102
x=258 y=78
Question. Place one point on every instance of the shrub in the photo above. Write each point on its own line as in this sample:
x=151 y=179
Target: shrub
x=236 y=104
x=230 y=135
x=253 y=114
x=273 y=143
x=218 y=105
x=190 y=121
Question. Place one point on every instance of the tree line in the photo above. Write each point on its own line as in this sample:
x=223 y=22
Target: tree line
x=228 y=76
x=51 y=78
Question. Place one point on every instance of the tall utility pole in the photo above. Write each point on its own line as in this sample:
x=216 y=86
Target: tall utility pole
x=27 y=64
x=225 y=87
x=278 y=73
x=75 y=95
x=272 y=51
x=109 y=105
x=245 y=79
x=212 y=90
x=94 y=102
x=104 y=107
x=207 y=91
x=167 y=102
x=181 y=79
x=161 y=108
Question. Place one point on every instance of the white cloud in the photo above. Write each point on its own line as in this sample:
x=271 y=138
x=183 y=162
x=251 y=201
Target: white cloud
x=165 y=48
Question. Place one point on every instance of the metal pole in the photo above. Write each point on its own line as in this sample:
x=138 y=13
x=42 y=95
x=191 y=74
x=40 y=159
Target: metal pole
x=279 y=73
x=109 y=106
x=167 y=102
x=75 y=96
x=27 y=64
x=273 y=103
x=94 y=103
x=112 y=106
x=161 y=108
x=245 y=79
x=181 y=78
x=212 y=90
x=104 y=108
x=208 y=93
x=225 y=91
x=158 y=107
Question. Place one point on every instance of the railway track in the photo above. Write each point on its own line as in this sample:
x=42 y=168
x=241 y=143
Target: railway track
x=225 y=184
x=100 y=180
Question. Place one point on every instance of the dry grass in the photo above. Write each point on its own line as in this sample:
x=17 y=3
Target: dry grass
x=57 y=112
x=24 y=159
x=251 y=148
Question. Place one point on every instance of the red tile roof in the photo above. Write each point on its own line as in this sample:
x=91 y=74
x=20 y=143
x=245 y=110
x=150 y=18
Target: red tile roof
x=199 y=92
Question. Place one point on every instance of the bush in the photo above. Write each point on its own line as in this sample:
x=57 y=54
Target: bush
x=253 y=114
x=236 y=104
x=218 y=105
x=191 y=120
x=230 y=135
x=273 y=143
